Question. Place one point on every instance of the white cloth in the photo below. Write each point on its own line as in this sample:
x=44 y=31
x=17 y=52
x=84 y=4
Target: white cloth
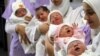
x=87 y=53
x=63 y=7
x=40 y=48
x=32 y=29
x=19 y=20
x=51 y=31
x=14 y=20
x=60 y=53
x=95 y=47
x=10 y=26
x=94 y=32
x=76 y=16
x=17 y=4
x=34 y=35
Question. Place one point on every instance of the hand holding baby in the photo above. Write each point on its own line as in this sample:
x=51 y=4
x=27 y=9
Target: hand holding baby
x=44 y=28
x=21 y=31
x=28 y=18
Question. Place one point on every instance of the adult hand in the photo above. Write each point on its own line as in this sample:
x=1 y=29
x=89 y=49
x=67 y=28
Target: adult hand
x=49 y=48
x=44 y=28
x=28 y=18
x=21 y=31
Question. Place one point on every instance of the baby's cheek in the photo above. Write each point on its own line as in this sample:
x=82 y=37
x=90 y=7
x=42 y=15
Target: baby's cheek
x=72 y=50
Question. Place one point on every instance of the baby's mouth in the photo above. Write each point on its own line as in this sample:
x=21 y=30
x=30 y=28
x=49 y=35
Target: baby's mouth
x=77 y=49
x=68 y=31
x=90 y=22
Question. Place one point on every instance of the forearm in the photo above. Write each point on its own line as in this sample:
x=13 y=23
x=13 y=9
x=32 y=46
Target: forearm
x=10 y=28
x=49 y=48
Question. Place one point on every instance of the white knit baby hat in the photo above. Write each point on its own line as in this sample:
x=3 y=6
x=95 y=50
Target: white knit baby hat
x=68 y=42
x=17 y=4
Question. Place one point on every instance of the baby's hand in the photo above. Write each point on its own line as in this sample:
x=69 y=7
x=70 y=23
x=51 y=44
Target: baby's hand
x=75 y=25
x=28 y=18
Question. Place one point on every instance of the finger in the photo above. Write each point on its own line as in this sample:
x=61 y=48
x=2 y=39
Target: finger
x=27 y=40
x=21 y=38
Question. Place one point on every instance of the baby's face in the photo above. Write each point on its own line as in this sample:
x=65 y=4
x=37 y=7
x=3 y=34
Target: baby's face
x=21 y=12
x=76 y=47
x=56 y=18
x=66 y=31
x=42 y=15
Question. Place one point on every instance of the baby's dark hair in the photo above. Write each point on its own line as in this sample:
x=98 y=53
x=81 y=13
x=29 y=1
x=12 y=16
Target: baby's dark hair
x=42 y=7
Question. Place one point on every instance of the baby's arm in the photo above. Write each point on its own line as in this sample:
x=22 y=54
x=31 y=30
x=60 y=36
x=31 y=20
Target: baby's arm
x=78 y=33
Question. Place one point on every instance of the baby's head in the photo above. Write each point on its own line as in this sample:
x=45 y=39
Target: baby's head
x=74 y=47
x=21 y=12
x=64 y=30
x=55 y=17
x=19 y=9
x=42 y=13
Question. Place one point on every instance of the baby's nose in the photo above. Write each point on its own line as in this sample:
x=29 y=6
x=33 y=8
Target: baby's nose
x=56 y=18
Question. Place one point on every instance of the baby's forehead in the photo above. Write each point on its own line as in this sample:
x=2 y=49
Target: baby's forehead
x=65 y=26
x=75 y=41
x=54 y=13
